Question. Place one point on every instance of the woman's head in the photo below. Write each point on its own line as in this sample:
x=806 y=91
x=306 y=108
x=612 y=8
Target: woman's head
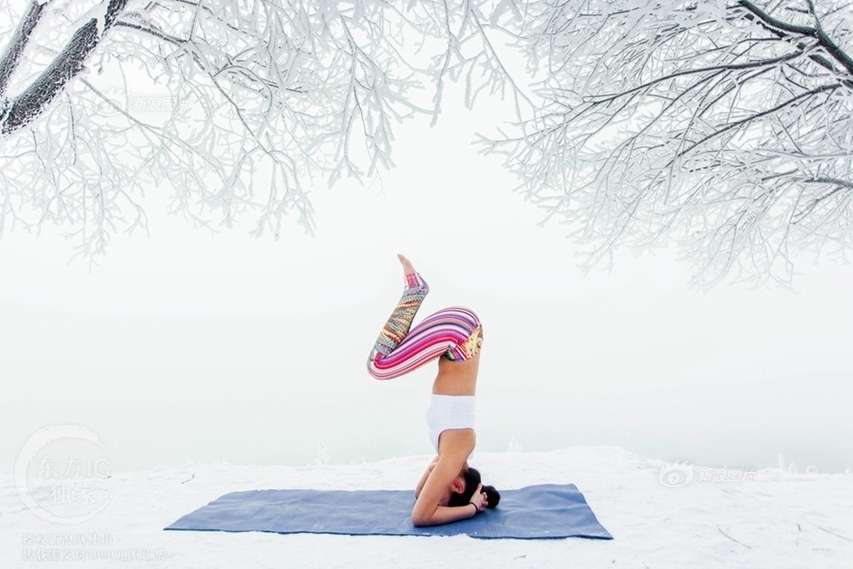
x=464 y=486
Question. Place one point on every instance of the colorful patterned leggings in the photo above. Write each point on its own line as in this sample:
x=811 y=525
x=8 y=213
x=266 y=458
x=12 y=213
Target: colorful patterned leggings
x=454 y=333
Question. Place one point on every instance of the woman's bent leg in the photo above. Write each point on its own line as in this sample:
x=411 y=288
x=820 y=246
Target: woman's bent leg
x=400 y=321
x=454 y=332
x=469 y=345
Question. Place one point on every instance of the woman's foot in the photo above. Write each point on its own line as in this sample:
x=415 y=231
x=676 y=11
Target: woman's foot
x=407 y=264
x=414 y=280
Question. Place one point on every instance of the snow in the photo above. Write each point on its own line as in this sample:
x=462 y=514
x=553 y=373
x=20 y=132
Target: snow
x=711 y=518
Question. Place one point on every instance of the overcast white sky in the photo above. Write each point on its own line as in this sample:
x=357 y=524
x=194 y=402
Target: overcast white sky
x=186 y=346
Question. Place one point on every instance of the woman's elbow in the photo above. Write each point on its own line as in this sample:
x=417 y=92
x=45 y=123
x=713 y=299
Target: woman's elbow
x=420 y=518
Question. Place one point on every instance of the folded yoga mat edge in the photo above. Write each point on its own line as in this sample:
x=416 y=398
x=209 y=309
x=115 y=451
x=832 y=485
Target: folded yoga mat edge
x=541 y=511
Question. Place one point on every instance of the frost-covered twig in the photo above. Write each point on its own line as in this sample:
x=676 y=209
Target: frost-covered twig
x=243 y=101
x=724 y=127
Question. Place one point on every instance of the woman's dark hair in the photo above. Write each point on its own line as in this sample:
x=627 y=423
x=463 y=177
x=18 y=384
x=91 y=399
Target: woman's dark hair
x=472 y=479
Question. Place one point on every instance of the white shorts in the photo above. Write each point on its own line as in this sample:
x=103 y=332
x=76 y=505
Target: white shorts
x=449 y=412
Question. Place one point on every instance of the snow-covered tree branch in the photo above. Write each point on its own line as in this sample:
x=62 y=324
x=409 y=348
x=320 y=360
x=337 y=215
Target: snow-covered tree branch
x=249 y=97
x=30 y=103
x=724 y=126
x=15 y=48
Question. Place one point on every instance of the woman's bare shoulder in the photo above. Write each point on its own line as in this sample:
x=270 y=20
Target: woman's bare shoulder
x=457 y=442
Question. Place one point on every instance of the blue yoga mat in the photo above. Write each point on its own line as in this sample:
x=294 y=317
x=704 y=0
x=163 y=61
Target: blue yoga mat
x=533 y=512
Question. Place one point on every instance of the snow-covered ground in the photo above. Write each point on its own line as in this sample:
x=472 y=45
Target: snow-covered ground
x=661 y=515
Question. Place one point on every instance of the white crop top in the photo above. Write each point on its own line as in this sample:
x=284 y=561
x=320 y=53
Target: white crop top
x=449 y=412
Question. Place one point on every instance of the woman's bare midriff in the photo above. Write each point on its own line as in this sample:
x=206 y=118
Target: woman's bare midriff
x=457 y=378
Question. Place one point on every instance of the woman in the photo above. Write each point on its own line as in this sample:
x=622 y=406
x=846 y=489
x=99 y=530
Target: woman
x=449 y=489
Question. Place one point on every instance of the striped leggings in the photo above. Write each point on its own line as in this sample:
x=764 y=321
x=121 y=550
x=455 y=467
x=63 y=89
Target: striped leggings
x=454 y=333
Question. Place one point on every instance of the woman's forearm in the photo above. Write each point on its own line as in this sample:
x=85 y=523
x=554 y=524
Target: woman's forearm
x=447 y=514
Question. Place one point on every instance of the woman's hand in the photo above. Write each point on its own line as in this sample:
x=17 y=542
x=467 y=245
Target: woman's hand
x=479 y=498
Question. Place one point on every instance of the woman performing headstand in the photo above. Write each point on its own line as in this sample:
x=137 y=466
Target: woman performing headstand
x=449 y=488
